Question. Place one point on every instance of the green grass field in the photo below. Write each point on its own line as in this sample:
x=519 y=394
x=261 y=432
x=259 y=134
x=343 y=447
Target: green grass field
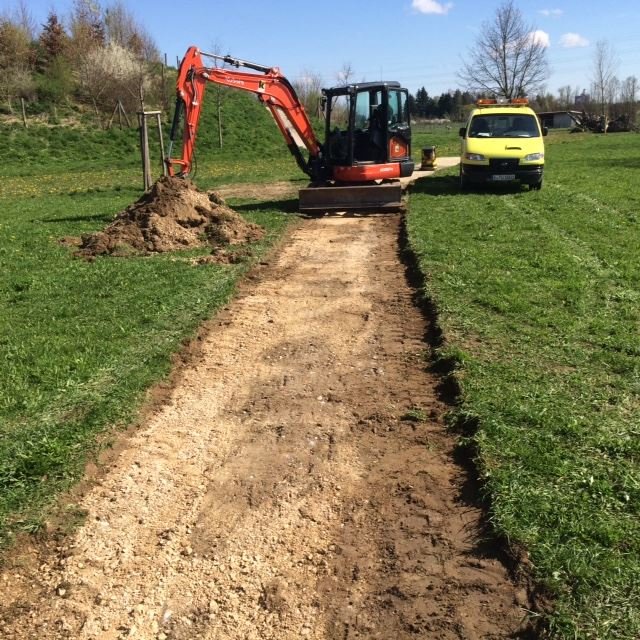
x=538 y=299
x=443 y=137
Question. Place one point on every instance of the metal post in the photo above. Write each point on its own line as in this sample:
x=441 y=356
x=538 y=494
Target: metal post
x=147 y=169
x=165 y=100
x=112 y=116
x=159 y=123
x=219 y=117
x=144 y=150
x=124 y=113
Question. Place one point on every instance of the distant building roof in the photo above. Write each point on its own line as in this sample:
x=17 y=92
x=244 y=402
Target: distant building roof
x=562 y=111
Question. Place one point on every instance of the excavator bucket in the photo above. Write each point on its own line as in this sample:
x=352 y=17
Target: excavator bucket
x=371 y=197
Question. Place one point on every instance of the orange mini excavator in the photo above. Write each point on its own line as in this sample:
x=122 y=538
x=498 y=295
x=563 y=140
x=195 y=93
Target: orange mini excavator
x=367 y=145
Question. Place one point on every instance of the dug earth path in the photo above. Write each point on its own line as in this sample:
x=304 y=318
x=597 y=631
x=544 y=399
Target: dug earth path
x=299 y=482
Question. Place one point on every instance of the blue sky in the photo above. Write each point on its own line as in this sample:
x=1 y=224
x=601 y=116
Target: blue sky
x=417 y=42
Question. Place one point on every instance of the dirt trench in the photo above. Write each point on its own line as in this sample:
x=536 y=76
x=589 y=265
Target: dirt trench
x=298 y=483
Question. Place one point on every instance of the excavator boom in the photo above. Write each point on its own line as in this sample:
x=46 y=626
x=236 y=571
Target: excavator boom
x=272 y=89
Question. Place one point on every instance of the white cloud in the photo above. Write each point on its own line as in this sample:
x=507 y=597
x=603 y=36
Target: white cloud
x=551 y=13
x=541 y=38
x=572 y=40
x=432 y=6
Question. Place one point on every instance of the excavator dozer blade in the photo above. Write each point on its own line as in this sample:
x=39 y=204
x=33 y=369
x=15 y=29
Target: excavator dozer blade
x=371 y=197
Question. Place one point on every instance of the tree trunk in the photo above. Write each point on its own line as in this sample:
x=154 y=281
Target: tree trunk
x=141 y=95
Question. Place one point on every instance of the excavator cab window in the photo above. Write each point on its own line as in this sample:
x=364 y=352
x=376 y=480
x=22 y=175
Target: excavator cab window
x=398 y=112
x=338 y=121
x=367 y=123
x=368 y=109
x=369 y=126
x=339 y=112
x=363 y=107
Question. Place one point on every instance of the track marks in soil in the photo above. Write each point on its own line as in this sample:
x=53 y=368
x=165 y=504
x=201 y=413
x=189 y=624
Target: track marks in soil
x=298 y=483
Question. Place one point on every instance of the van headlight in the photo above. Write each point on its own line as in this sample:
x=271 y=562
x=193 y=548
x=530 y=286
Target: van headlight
x=474 y=156
x=534 y=156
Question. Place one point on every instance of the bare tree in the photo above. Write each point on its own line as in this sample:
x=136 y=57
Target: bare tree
x=309 y=89
x=86 y=30
x=122 y=28
x=509 y=57
x=613 y=91
x=629 y=96
x=15 y=62
x=604 y=78
x=87 y=25
x=346 y=74
x=565 y=96
x=120 y=25
x=25 y=20
x=220 y=93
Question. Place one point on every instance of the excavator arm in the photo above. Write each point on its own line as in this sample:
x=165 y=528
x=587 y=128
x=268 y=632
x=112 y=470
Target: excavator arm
x=271 y=88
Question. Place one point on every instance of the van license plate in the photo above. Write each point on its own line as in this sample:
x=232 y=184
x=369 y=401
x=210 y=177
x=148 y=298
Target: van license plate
x=503 y=176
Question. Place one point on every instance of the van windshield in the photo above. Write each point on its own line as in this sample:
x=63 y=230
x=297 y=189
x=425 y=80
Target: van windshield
x=504 y=125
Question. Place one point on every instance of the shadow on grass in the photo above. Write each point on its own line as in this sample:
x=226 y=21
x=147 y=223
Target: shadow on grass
x=434 y=185
x=96 y=217
x=289 y=205
x=450 y=186
x=624 y=163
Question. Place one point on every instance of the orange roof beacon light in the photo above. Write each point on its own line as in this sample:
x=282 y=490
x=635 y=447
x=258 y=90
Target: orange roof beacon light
x=502 y=102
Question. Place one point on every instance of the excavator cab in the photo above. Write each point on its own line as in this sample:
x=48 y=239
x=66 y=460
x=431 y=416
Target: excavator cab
x=367 y=148
x=367 y=124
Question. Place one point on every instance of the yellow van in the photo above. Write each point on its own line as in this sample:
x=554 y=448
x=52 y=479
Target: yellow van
x=502 y=142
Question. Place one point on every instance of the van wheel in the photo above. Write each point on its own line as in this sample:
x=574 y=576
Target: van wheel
x=464 y=182
x=536 y=187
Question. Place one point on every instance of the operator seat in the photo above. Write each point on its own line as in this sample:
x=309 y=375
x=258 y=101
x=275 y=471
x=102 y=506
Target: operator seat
x=377 y=126
x=520 y=124
x=479 y=126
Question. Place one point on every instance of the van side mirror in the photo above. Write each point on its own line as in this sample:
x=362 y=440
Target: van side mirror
x=545 y=131
x=462 y=132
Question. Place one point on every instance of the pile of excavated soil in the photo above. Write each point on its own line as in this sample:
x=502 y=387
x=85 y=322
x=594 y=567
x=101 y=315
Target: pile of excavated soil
x=173 y=215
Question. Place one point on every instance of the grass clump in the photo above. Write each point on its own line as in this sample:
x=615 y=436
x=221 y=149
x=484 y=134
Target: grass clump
x=538 y=293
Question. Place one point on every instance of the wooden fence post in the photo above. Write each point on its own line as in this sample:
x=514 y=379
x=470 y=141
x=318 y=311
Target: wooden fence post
x=144 y=145
x=124 y=113
x=112 y=116
x=165 y=99
x=144 y=149
x=24 y=113
x=159 y=123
